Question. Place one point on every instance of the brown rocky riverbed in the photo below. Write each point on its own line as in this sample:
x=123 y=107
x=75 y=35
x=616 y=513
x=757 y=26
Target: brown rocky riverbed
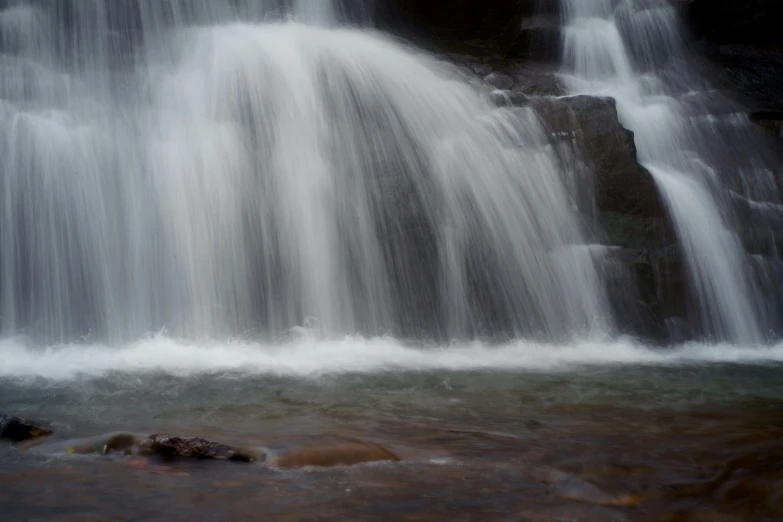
x=567 y=462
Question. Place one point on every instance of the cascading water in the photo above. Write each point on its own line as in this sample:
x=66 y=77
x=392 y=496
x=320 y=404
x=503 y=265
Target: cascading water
x=698 y=150
x=203 y=168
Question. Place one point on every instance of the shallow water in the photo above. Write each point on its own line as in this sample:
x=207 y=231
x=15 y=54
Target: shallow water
x=161 y=381
x=473 y=424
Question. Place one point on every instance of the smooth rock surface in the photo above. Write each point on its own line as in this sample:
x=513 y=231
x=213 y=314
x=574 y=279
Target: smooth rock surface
x=335 y=455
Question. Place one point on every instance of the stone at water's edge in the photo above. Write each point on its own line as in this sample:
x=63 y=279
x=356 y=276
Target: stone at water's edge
x=194 y=447
x=18 y=429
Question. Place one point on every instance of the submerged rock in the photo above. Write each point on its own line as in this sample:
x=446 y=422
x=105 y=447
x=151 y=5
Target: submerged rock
x=571 y=487
x=122 y=443
x=335 y=455
x=19 y=429
x=579 y=490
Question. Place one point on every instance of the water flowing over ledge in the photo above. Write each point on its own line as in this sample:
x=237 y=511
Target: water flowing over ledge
x=232 y=169
x=233 y=176
x=696 y=147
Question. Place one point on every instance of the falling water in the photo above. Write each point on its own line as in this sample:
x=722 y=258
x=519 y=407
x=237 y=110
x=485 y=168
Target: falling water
x=223 y=169
x=699 y=150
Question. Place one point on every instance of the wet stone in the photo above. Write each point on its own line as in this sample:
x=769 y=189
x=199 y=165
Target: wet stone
x=18 y=429
x=194 y=447
x=121 y=443
x=335 y=455
x=499 y=81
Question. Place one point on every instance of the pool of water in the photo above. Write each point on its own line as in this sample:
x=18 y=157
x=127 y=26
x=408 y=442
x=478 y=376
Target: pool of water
x=473 y=424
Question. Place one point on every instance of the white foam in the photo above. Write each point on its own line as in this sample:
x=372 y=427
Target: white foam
x=311 y=357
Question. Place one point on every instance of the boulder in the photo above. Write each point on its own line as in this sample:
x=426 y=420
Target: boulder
x=18 y=429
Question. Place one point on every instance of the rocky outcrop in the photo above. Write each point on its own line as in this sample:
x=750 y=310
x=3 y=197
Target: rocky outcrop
x=642 y=267
x=622 y=185
x=616 y=185
x=18 y=429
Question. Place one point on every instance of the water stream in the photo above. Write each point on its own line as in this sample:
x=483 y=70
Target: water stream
x=696 y=146
x=222 y=169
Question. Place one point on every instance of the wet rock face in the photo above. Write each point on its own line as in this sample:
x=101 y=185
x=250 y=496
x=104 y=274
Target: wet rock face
x=744 y=40
x=455 y=19
x=18 y=429
x=527 y=29
x=591 y=123
x=736 y=21
x=642 y=270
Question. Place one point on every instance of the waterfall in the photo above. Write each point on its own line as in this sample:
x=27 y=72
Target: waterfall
x=219 y=169
x=697 y=147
